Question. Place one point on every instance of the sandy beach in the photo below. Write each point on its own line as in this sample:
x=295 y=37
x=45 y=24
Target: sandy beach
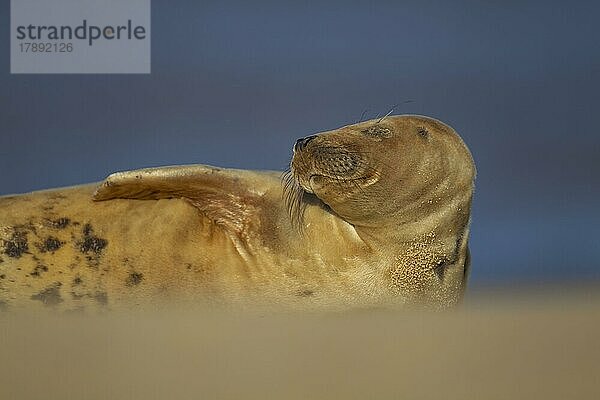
x=527 y=343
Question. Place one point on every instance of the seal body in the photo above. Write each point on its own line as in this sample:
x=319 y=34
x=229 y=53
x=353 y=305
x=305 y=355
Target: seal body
x=372 y=214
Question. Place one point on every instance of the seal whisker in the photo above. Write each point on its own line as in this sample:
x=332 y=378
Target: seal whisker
x=293 y=198
x=388 y=114
x=362 y=116
x=360 y=189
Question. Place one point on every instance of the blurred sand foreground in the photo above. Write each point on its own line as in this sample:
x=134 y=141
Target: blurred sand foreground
x=513 y=345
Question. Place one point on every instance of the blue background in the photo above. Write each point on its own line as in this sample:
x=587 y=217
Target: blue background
x=234 y=84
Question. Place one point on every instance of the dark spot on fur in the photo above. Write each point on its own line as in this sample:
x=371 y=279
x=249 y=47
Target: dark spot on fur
x=49 y=296
x=77 y=281
x=101 y=297
x=16 y=245
x=306 y=293
x=197 y=269
x=134 y=279
x=38 y=270
x=2 y=276
x=91 y=243
x=51 y=244
x=59 y=223
x=1 y=260
x=423 y=132
x=440 y=269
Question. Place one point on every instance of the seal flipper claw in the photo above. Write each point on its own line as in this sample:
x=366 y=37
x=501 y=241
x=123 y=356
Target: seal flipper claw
x=227 y=196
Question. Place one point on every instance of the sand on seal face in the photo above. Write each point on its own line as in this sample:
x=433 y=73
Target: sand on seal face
x=534 y=347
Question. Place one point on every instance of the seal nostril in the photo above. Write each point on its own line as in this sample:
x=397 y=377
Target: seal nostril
x=302 y=142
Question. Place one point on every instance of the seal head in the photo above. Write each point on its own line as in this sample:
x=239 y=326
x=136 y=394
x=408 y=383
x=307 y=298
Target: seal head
x=385 y=171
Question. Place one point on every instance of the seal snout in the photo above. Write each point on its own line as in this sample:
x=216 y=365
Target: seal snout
x=302 y=142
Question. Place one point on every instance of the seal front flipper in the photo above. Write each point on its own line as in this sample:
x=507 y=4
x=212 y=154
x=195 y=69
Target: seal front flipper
x=227 y=196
